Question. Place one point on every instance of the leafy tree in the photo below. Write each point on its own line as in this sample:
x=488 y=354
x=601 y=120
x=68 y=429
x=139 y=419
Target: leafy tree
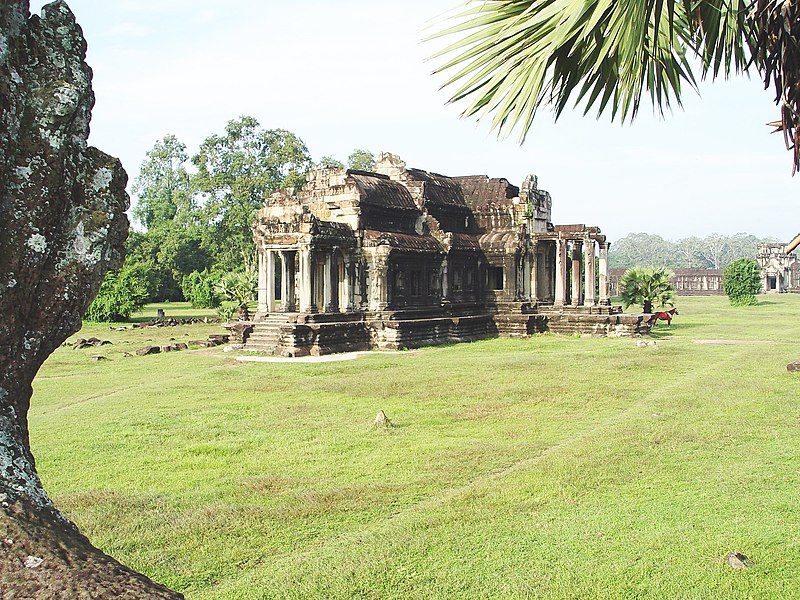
x=642 y=249
x=121 y=293
x=170 y=252
x=199 y=289
x=688 y=249
x=647 y=286
x=361 y=160
x=235 y=174
x=162 y=186
x=713 y=250
x=742 y=245
x=329 y=162
x=741 y=281
x=515 y=57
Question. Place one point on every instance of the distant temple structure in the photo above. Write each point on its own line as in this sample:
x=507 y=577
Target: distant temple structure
x=687 y=282
x=401 y=258
x=780 y=269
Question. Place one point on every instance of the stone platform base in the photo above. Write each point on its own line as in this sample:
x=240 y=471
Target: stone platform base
x=614 y=325
x=295 y=334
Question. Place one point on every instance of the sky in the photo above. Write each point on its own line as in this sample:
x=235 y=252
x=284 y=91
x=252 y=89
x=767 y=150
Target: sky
x=346 y=74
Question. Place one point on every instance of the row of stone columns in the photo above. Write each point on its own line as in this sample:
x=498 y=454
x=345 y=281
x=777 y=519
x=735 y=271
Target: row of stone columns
x=299 y=285
x=266 y=280
x=309 y=284
x=583 y=252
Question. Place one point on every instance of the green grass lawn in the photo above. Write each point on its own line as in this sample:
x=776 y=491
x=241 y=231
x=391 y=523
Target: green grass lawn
x=550 y=467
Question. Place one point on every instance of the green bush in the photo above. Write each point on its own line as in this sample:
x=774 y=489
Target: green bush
x=198 y=288
x=121 y=293
x=236 y=289
x=227 y=309
x=741 y=281
x=647 y=286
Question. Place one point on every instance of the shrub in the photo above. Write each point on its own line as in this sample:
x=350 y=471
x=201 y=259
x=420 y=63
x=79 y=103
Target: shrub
x=121 y=293
x=647 y=286
x=198 y=288
x=741 y=281
x=236 y=289
x=227 y=309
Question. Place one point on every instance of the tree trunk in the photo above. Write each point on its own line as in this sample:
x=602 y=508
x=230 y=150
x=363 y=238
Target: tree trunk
x=63 y=223
x=648 y=306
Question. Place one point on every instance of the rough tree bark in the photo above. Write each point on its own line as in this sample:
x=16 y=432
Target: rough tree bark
x=62 y=226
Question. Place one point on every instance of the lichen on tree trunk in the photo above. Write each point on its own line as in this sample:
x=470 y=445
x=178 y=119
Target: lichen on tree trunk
x=62 y=226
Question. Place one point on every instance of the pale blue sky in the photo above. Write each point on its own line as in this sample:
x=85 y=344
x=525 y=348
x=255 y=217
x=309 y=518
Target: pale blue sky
x=351 y=74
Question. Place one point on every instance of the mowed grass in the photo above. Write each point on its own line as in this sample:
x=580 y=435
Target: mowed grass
x=549 y=467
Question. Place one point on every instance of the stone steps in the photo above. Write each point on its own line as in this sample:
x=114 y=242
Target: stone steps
x=266 y=334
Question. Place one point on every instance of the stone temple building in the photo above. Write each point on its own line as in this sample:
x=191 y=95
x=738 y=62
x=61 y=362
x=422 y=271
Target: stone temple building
x=401 y=258
x=780 y=268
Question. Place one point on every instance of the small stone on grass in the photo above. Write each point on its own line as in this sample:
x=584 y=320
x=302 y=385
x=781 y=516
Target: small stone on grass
x=381 y=420
x=737 y=560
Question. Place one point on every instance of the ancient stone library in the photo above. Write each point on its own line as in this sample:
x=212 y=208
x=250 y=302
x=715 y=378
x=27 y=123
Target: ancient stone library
x=401 y=258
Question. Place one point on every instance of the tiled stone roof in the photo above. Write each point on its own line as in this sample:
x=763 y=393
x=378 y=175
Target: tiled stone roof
x=379 y=190
x=480 y=190
x=403 y=241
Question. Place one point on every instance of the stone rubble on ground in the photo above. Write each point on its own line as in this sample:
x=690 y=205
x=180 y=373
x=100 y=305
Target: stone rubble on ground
x=737 y=560
x=32 y=562
x=381 y=420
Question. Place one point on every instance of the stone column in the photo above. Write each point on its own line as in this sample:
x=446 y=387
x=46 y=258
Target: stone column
x=332 y=264
x=576 y=273
x=526 y=276
x=603 y=266
x=561 y=272
x=588 y=286
x=534 y=272
x=445 y=283
x=305 y=279
x=346 y=303
x=270 y=281
x=262 y=284
x=288 y=276
x=377 y=279
x=509 y=278
x=284 y=281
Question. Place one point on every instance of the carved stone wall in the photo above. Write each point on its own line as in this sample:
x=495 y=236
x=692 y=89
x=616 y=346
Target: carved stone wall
x=687 y=282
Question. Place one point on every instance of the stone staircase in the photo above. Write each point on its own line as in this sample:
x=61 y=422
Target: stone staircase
x=266 y=334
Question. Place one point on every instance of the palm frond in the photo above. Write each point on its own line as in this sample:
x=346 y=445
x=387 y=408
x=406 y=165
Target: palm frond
x=516 y=57
x=775 y=44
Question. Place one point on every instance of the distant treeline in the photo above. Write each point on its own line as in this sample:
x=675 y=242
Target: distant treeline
x=712 y=252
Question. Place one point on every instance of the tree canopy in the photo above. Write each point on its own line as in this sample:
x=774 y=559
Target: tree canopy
x=236 y=172
x=513 y=58
x=711 y=252
x=162 y=187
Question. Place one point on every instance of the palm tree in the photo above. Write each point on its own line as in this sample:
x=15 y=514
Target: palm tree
x=646 y=286
x=238 y=288
x=514 y=57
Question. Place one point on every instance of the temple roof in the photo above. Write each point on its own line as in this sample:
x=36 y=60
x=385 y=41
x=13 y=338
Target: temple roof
x=501 y=240
x=480 y=190
x=439 y=189
x=333 y=232
x=379 y=190
x=464 y=241
x=403 y=241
